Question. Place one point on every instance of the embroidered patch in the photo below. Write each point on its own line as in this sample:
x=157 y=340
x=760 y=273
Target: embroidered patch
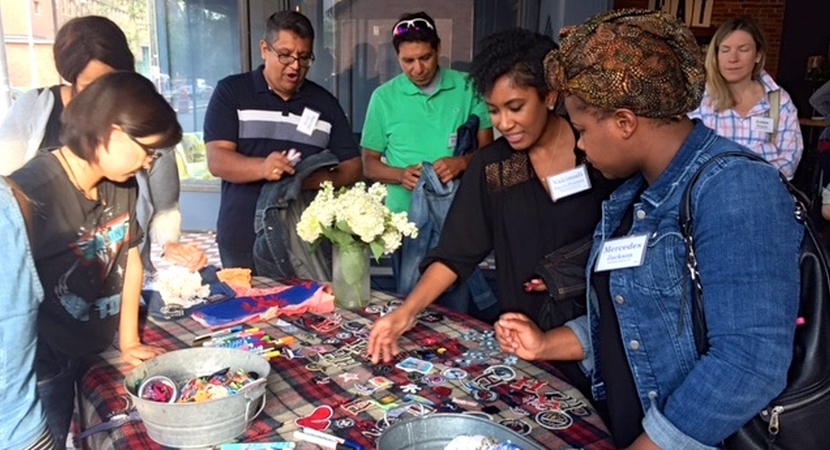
x=518 y=426
x=317 y=420
x=554 y=420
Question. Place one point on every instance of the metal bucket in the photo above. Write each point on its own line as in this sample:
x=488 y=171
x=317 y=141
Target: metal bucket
x=435 y=431
x=192 y=425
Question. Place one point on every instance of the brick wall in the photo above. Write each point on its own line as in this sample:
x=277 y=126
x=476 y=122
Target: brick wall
x=768 y=13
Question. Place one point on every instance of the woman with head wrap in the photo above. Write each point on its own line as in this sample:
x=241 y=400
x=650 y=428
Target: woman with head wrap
x=86 y=48
x=629 y=78
x=505 y=203
x=743 y=103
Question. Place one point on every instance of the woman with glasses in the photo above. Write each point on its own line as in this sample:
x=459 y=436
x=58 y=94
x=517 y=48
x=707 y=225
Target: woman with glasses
x=86 y=48
x=82 y=198
x=509 y=203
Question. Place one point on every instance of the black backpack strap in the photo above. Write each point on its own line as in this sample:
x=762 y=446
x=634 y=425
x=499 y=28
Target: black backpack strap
x=687 y=230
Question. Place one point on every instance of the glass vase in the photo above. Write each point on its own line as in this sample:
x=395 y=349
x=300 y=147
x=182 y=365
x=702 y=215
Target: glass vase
x=350 y=275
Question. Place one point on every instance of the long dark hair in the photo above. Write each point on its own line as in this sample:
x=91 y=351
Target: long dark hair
x=88 y=38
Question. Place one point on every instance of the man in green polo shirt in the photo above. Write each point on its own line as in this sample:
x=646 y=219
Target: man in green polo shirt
x=414 y=117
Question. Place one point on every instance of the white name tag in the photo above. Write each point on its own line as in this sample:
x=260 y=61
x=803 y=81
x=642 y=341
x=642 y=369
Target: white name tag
x=453 y=140
x=569 y=183
x=762 y=124
x=308 y=121
x=622 y=253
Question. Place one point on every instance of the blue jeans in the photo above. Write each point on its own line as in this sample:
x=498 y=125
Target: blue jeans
x=429 y=205
x=22 y=417
x=57 y=377
x=461 y=296
x=234 y=257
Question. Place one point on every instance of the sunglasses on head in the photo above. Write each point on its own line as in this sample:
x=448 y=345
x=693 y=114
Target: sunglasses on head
x=405 y=26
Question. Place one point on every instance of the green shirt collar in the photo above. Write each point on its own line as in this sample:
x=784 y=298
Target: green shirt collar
x=409 y=88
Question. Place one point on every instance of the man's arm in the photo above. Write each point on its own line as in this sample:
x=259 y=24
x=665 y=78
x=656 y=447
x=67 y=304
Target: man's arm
x=485 y=137
x=376 y=170
x=228 y=164
x=453 y=167
x=346 y=173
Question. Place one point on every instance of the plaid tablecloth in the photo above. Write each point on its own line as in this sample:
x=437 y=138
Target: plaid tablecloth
x=333 y=369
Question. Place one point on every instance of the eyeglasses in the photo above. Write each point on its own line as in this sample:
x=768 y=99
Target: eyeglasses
x=287 y=59
x=153 y=153
x=417 y=23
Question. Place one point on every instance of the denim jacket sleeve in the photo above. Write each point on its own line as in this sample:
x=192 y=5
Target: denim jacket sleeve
x=750 y=282
x=582 y=329
x=666 y=435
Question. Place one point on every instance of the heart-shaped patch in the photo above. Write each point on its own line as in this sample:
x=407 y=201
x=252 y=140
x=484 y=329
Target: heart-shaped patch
x=317 y=420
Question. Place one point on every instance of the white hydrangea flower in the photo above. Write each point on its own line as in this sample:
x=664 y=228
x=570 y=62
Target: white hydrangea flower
x=309 y=228
x=391 y=241
x=358 y=211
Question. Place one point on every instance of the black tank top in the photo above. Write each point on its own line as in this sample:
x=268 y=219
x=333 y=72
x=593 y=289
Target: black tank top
x=52 y=134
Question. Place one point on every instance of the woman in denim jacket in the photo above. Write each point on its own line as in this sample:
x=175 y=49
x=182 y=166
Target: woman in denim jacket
x=630 y=77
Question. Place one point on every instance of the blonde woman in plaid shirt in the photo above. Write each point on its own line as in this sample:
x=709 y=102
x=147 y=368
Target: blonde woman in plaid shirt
x=741 y=97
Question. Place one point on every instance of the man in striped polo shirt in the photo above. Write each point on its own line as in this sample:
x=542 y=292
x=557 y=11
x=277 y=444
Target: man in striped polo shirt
x=255 y=119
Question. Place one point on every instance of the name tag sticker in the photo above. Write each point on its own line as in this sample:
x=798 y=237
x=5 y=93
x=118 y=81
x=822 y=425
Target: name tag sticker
x=762 y=124
x=308 y=121
x=453 y=140
x=569 y=183
x=622 y=253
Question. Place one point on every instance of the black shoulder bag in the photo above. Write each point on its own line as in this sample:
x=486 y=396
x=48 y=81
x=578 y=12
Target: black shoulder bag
x=799 y=418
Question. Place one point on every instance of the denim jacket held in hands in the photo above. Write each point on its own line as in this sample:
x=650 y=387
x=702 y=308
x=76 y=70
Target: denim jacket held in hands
x=747 y=242
x=272 y=246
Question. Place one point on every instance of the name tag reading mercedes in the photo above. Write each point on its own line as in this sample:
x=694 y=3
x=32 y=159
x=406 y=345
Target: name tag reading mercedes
x=308 y=121
x=622 y=253
x=569 y=183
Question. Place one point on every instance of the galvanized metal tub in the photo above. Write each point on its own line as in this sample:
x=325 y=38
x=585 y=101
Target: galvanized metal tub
x=194 y=425
x=435 y=431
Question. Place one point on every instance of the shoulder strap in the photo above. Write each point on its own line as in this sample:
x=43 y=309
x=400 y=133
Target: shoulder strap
x=687 y=230
x=774 y=113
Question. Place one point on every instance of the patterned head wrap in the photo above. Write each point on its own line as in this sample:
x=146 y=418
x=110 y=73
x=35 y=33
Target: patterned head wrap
x=645 y=61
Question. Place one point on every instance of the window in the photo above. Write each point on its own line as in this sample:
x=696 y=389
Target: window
x=186 y=46
x=196 y=44
x=183 y=46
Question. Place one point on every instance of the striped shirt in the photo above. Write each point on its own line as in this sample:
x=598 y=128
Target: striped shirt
x=784 y=153
x=43 y=442
x=243 y=110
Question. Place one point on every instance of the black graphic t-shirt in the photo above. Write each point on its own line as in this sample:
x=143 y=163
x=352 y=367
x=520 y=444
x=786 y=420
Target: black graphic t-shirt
x=80 y=250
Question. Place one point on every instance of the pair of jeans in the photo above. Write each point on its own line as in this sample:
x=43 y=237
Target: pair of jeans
x=57 y=376
x=431 y=200
x=236 y=257
x=278 y=253
x=456 y=298
x=22 y=417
